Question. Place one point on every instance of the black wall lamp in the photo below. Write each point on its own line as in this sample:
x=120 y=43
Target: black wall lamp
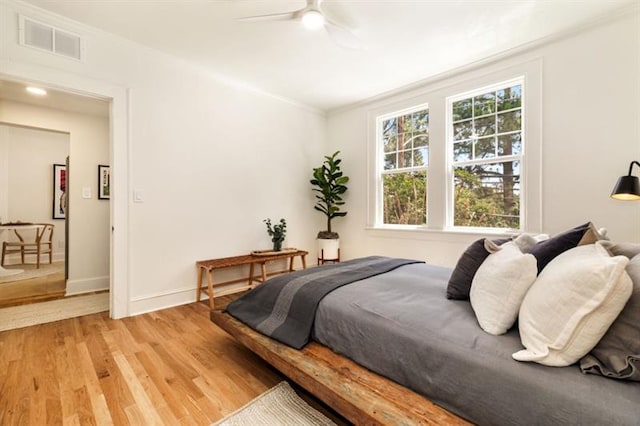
x=628 y=187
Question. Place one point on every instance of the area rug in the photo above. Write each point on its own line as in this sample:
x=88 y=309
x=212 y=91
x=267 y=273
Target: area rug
x=54 y=310
x=30 y=271
x=279 y=405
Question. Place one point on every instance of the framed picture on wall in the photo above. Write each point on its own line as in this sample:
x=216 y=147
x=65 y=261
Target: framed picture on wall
x=104 y=182
x=59 y=191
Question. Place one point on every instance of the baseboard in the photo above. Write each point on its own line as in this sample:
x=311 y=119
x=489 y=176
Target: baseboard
x=169 y=299
x=87 y=285
x=155 y=302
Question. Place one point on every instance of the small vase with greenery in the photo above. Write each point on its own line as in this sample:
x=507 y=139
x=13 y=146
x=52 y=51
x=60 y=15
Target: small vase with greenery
x=277 y=233
x=330 y=185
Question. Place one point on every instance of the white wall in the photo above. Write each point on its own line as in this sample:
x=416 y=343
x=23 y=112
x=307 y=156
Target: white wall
x=4 y=173
x=590 y=134
x=88 y=137
x=29 y=157
x=212 y=158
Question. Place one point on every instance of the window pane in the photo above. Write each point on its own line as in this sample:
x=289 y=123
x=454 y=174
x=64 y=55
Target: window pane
x=485 y=126
x=390 y=161
x=390 y=143
x=509 y=98
x=484 y=104
x=404 y=159
x=421 y=121
x=510 y=121
x=405 y=198
x=401 y=138
x=485 y=148
x=510 y=144
x=405 y=123
x=487 y=195
x=404 y=141
x=421 y=140
x=462 y=151
x=421 y=157
x=462 y=130
x=462 y=109
x=389 y=127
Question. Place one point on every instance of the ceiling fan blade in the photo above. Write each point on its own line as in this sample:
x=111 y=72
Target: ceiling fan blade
x=342 y=36
x=272 y=17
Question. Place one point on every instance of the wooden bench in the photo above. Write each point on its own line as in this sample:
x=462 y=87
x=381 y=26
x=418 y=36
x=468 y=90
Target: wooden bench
x=206 y=267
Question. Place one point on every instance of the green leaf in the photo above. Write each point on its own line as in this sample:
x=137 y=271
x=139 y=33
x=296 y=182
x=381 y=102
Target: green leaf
x=329 y=183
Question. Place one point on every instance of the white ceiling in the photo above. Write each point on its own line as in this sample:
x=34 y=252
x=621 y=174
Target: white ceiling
x=405 y=40
x=65 y=101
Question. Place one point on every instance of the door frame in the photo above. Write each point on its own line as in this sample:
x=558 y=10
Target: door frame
x=119 y=98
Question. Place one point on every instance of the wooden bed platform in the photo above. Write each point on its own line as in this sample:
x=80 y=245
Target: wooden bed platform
x=359 y=395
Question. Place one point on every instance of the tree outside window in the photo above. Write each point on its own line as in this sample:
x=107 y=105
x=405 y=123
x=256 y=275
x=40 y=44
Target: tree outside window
x=486 y=136
x=405 y=145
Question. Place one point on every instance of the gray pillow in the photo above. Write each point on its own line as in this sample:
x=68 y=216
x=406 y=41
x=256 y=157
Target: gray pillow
x=629 y=250
x=547 y=250
x=460 y=281
x=617 y=354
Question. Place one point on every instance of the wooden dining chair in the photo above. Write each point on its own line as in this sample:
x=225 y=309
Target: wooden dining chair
x=42 y=244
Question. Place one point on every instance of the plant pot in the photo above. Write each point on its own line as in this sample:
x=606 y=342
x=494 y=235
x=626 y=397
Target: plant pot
x=328 y=249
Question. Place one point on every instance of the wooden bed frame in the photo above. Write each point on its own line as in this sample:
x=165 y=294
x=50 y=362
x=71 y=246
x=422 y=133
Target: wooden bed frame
x=359 y=395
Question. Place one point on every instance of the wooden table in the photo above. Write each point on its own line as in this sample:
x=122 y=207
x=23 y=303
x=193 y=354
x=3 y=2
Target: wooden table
x=206 y=267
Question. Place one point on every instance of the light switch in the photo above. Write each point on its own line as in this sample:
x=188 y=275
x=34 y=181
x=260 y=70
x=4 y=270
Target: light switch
x=138 y=196
x=86 y=192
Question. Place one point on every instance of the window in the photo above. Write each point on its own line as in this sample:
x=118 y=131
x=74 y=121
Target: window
x=404 y=141
x=461 y=154
x=486 y=146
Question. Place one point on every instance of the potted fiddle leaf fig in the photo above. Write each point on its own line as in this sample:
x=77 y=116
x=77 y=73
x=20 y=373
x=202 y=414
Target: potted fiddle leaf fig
x=329 y=184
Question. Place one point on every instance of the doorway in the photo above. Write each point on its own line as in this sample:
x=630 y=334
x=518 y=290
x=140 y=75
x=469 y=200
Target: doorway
x=118 y=99
x=31 y=158
x=85 y=122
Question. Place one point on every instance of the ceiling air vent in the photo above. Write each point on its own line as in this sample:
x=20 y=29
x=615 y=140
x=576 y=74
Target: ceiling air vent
x=46 y=37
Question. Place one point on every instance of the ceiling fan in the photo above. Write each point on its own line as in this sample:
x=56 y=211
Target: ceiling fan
x=313 y=18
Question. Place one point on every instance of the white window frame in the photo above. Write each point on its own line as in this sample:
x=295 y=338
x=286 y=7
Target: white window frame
x=451 y=164
x=381 y=172
x=440 y=179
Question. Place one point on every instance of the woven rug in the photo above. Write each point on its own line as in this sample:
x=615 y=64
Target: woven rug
x=54 y=310
x=30 y=271
x=279 y=405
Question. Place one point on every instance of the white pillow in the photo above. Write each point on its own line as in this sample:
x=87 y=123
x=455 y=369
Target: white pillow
x=499 y=286
x=575 y=299
x=524 y=242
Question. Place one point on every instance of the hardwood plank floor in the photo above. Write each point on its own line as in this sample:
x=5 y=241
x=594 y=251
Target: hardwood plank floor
x=39 y=289
x=172 y=367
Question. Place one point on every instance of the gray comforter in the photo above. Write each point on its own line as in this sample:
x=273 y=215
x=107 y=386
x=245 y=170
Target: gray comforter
x=401 y=325
x=284 y=307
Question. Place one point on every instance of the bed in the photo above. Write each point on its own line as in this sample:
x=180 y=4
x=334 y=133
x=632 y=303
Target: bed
x=392 y=349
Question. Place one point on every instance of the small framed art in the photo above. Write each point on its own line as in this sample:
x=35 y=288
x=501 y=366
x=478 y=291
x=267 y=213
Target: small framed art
x=104 y=182
x=59 y=191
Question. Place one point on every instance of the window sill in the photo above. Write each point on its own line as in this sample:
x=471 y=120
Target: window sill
x=424 y=233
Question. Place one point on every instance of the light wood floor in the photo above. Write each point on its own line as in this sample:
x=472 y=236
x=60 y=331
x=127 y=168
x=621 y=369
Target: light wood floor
x=168 y=367
x=40 y=289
